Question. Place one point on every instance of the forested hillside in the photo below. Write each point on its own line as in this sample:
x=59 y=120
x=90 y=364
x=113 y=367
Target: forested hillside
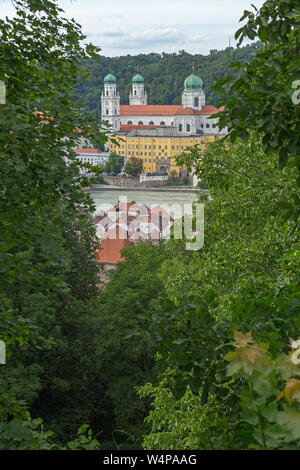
x=164 y=74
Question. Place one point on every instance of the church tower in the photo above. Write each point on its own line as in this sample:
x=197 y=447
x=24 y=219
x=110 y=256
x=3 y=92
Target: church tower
x=137 y=95
x=110 y=103
x=193 y=95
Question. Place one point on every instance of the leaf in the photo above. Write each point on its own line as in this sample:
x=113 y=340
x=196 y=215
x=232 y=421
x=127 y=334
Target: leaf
x=241 y=339
x=290 y=418
x=291 y=391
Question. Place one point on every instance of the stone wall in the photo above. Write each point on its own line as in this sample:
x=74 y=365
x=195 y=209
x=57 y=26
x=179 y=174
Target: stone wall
x=132 y=182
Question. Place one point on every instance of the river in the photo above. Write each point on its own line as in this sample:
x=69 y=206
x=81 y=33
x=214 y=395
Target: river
x=176 y=202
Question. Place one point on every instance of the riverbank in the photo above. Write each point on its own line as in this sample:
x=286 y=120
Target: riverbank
x=105 y=187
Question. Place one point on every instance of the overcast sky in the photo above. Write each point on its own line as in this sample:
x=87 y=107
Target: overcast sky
x=122 y=27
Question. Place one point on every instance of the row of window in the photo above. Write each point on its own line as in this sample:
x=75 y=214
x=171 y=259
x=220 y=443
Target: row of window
x=188 y=128
x=151 y=123
x=107 y=111
x=208 y=126
x=180 y=126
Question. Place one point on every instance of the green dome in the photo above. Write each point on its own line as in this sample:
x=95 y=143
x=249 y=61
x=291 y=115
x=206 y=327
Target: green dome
x=110 y=79
x=193 y=83
x=138 y=79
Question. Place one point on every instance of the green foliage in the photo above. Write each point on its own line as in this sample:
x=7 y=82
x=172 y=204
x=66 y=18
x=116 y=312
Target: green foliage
x=125 y=306
x=263 y=95
x=245 y=276
x=114 y=164
x=134 y=166
x=48 y=273
x=184 y=424
x=269 y=417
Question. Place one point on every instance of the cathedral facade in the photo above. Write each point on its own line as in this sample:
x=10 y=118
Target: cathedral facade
x=189 y=118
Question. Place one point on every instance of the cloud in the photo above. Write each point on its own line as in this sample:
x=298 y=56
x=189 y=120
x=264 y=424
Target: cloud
x=112 y=33
x=149 y=37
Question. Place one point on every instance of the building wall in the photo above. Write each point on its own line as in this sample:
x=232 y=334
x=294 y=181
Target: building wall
x=158 y=151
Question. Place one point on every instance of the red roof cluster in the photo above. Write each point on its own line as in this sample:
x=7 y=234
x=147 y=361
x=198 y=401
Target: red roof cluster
x=132 y=224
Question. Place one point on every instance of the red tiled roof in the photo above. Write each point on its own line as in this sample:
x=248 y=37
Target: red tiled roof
x=87 y=151
x=149 y=110
x=164 y=110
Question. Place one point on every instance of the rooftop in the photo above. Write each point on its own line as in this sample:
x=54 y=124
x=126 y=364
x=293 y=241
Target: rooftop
x=164 y=110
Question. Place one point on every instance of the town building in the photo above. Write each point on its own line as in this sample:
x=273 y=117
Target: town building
x=157 y=133
x=92 y=156
x=129 y=224
x=157 y=147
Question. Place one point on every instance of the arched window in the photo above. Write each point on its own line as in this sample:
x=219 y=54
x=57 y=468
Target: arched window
x=140 y=123
x=180 y=127
x=151 y=123
x=201 y=126
x=196 y=102
x=207 y=125
x=162 y=123
x=188 y=128
x=129 y=123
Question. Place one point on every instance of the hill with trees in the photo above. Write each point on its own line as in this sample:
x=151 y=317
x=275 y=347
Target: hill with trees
x=164 y=74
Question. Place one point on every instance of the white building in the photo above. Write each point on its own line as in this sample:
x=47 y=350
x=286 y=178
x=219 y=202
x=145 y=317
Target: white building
x=92 y=156
x=189 y=118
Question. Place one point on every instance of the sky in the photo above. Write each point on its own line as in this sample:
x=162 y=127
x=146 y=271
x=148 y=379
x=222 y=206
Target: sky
x=122 y=27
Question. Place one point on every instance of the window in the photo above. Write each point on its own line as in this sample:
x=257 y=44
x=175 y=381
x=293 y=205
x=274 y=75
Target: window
x=201 y=126
x=141 y=123
x=180 y=127
x=207 y=125
x=188 y=128
x=106 y=92
x=107 y=111
x=129 y=123
x=196 y=102
x=162 y=123
x=151 y=123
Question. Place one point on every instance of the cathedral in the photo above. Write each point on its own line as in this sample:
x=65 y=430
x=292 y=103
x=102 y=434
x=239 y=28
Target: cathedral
x=188 y=119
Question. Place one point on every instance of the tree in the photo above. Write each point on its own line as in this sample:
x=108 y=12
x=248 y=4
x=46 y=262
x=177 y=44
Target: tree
x=46 y=292
x=134 y=166
x=233 y=283
x=263 y=95
x=124 y=359
x=114 y=164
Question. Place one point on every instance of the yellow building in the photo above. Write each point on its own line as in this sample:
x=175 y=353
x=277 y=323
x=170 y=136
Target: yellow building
x=157 y=147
